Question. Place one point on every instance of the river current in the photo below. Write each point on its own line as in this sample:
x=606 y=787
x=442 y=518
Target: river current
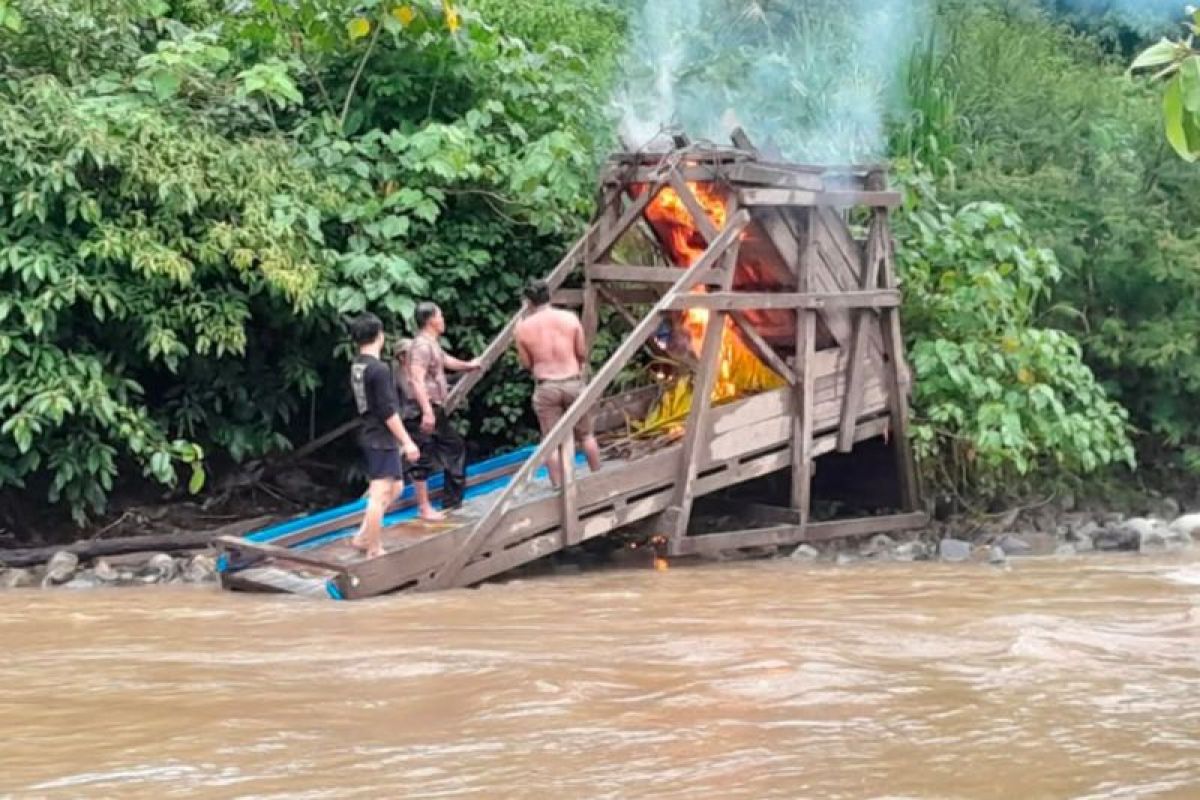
x=1073 y=678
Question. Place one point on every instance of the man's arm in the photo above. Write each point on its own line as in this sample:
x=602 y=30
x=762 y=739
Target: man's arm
x=581 y=351
x=522 y=351
x=401 y=433
x=458 y=365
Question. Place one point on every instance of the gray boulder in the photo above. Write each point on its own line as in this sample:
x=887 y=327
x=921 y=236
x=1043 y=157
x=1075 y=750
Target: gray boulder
x=1083 y=536
x=954 y=550
x=1065 y=550
x=160 y=568
x=16 y=578
x=996 y=555
x=880 y=546
x=1121 y=536
x=845 y=559
x=1187 y=525
x=200 y=569
x=806 y=553
x=1011 y=545
x=105 y=572
x=1159 y=537
x=61 y=568
x=911 y=551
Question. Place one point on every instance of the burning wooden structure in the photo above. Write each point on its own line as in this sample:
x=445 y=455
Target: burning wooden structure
x=788 y=324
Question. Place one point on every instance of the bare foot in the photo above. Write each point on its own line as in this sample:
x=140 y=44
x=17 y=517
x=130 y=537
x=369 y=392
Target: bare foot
x=358 y=544
x=376 y=552
x=431 y=514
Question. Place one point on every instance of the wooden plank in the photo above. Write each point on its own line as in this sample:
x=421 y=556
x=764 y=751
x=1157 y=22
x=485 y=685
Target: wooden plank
x=623 y=273
x=699 y=217
x=773 y=175
x=794 y=534
x=504 y=338
x=834 y=198
x=786 y=242
x=761 y=348
x=879 y=298
x=689 y=278
x=235 y=545
x=873 y=255
x=573 y=298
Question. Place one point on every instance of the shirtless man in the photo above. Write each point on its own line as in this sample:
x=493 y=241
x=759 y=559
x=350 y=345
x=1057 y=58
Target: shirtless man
x=382 y=434
x=550 y=344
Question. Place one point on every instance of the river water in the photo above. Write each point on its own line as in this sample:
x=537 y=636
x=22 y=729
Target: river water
x=1054 y=679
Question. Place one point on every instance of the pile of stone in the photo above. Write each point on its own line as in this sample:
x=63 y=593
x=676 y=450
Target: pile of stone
x=1016 y=535
x=138 y=569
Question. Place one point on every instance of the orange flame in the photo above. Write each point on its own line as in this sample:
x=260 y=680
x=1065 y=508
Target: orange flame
x=686 y=245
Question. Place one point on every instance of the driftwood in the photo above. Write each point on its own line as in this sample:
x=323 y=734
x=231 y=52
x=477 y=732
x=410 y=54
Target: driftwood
x=171 y=542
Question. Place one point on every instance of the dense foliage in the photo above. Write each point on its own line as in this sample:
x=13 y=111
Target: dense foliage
x=192 y=201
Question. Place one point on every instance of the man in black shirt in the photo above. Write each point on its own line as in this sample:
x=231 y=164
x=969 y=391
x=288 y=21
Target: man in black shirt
x=378 y=407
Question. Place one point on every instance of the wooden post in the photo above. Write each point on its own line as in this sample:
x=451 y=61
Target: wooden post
x=570 y=492
x=893 y=348
x=806 y=334
x=610 y=213
x=874 y=254
x=704 y=380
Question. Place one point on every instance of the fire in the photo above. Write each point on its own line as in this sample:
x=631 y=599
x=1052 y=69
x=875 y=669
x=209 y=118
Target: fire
x=740 y=370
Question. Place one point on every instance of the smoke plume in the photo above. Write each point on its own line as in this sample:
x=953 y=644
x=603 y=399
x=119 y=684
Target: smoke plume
x=816 y=79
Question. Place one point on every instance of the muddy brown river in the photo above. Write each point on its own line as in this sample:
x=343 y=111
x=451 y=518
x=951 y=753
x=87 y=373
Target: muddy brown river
x=1055 y=679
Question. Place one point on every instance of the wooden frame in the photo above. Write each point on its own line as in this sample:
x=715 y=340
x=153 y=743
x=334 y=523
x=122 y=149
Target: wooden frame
x=811 y=275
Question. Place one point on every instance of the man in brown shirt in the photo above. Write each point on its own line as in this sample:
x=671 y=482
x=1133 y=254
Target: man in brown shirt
x=550 y=344
x=440 y=444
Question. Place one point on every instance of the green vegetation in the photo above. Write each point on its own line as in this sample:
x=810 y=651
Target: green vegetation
x=195 y=194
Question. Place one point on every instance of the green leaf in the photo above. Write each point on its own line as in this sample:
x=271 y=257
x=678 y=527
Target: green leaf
x=197 y=480
x=1164 y=52
x=1189 y=75
x=165 y=84
x=1173 y=119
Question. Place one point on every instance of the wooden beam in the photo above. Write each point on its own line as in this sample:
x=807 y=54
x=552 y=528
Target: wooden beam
x=711 y=543
x=774 y=176
x=504 y=338
x=699 y=216
x=236 y=544
x=726 y=301
x=449 y=571
x=761 y=348
x=573 y=298
x=873 y=255
x=632 y=214
x=801 y=197
x=632 y=274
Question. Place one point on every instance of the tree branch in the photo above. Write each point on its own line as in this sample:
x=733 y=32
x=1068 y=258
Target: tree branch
x=362 y=64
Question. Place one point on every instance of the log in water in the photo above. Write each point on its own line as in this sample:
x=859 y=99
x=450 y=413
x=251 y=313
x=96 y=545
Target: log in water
x=1053 y=679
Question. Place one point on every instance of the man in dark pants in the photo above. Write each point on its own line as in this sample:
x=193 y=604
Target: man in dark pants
x=381 y=431
x=439 y=442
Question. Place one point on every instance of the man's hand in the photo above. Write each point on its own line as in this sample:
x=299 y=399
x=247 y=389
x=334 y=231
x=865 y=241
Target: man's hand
x=412 y=452
x=474 y=365
x=427 y=422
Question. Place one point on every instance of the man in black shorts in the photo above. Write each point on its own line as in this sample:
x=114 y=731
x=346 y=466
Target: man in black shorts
x=381 y=431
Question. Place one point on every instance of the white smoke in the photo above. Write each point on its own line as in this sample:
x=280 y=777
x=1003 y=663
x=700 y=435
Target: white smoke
x=817 y=78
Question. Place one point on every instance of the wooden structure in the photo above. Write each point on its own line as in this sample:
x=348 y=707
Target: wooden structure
x=775 y=258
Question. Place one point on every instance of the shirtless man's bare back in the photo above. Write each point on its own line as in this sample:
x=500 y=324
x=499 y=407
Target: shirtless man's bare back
x=550 y=344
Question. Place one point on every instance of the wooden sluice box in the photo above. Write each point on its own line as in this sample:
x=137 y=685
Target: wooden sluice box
x=772 y=296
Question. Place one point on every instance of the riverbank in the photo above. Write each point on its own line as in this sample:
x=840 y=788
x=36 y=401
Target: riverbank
x=1038 y=531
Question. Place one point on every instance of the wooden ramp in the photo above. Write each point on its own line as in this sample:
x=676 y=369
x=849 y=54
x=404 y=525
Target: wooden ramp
x=768 y=257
